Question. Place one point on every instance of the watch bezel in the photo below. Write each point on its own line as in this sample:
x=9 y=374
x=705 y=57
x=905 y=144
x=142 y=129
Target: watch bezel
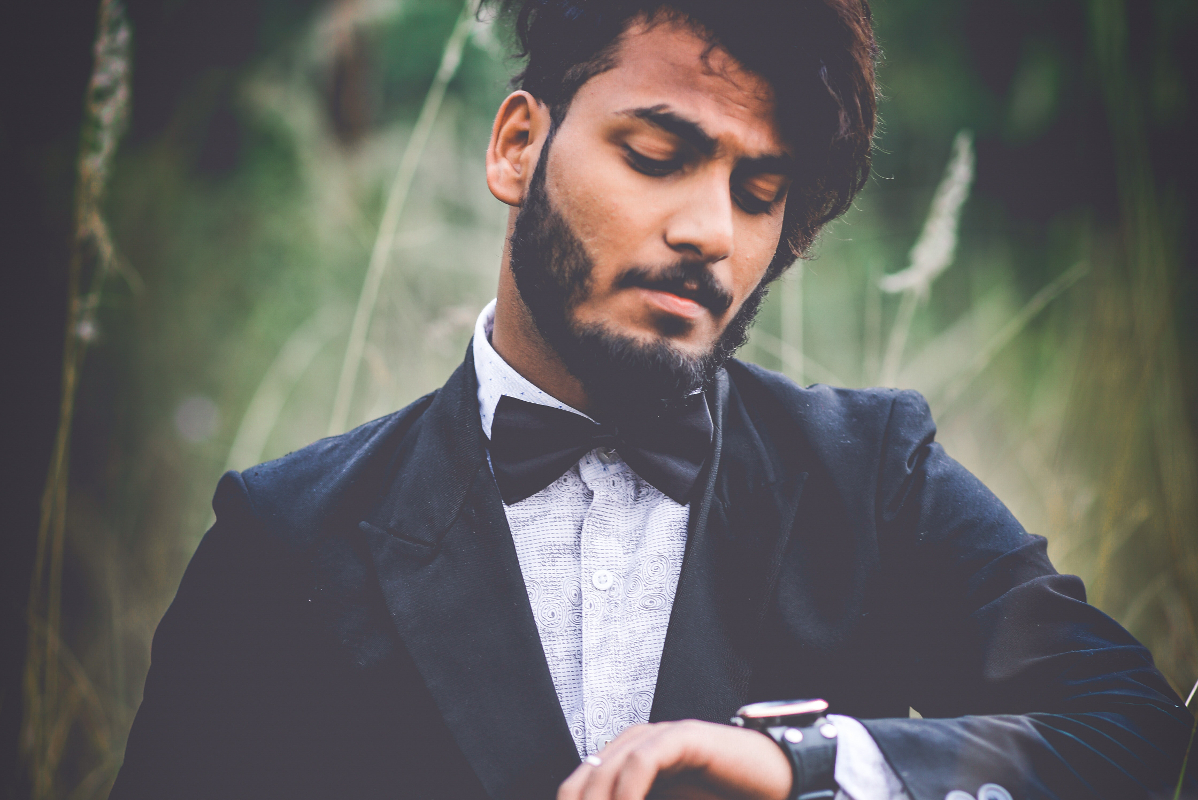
x=782 y=708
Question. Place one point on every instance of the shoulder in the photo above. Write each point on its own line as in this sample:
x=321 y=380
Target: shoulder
x=301 y=493
x=830 y=417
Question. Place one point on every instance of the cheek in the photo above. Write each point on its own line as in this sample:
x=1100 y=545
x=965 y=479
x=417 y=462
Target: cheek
x=606 y=206
x=757 y=245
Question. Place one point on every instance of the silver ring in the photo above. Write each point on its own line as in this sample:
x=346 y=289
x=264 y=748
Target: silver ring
x=594 y=761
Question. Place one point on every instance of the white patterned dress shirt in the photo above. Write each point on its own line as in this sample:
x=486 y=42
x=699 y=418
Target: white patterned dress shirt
x=600 y=551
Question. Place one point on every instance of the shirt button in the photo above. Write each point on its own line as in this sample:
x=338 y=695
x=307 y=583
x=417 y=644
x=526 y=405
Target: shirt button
x=602 y=579
x=607 y=455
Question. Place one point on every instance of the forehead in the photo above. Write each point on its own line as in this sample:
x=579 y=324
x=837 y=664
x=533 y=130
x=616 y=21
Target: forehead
x=667 y=63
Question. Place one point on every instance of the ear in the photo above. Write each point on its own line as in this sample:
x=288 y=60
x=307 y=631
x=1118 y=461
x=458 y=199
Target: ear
x=516 y=138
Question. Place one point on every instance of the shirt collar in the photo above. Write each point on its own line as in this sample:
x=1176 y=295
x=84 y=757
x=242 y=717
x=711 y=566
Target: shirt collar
x=497 y=378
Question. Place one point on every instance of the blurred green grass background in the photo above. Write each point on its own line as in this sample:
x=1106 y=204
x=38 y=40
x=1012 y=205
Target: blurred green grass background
x=1032 y=148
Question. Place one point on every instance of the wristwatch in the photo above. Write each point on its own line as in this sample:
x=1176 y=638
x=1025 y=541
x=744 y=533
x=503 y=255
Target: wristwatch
x=805 y=736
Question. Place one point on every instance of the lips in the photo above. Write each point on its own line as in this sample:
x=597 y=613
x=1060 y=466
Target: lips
x=674 y=304
x=679 y=289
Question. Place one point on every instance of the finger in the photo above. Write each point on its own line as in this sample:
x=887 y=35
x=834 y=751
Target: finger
x=643 y=764
x=697 y=759
x=600 y=784
x=639 y=757
x=575 y=786
x=571 y=788
x=665 y=750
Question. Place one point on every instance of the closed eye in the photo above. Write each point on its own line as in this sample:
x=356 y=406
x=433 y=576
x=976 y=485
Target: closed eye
x=654 y=167
x=758 y=192
x=752 y=204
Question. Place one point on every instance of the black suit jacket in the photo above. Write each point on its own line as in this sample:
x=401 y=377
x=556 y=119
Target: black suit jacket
x=355 y=625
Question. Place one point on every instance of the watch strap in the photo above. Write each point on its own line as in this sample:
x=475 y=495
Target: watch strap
x=812 y=755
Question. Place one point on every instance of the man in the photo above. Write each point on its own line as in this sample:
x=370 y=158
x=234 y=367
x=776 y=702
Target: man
x=564 y=571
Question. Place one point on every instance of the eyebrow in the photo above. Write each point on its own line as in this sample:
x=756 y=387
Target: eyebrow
x=689 y=131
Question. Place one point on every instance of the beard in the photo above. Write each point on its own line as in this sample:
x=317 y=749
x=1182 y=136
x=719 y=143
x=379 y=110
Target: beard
x=552 y=272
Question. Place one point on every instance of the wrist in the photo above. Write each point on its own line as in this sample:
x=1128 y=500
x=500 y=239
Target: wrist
x=811 y=751
x=807 y=739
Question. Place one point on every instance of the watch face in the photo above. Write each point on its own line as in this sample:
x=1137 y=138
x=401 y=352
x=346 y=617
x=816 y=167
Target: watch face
x=782 y=708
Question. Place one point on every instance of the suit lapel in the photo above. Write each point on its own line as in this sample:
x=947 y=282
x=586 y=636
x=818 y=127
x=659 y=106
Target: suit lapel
x=451 y=579
x=739 y=530
x=452 y=583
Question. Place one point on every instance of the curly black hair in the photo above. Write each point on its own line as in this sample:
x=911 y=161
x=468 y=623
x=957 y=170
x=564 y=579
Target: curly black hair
x=818 y=55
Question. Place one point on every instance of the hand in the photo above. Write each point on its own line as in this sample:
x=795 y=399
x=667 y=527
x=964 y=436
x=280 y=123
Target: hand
x=687 y=759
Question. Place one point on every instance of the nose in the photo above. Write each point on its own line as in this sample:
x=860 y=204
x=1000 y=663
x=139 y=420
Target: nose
x=701 y=225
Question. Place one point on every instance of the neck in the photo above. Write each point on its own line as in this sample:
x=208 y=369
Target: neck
x=518 y=341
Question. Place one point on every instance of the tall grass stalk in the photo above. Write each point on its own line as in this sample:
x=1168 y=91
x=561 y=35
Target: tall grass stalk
x=277 y=385
x=1185 y=760
x=451 y=57
x=932 y=254
x=871 y=335
x=896 y=343
x=792 y=322
x=1136 y=359
x=53 y=700
x=982 y=359
x=793 y=362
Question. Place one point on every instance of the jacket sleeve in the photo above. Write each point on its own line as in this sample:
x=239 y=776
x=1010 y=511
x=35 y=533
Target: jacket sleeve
x=196 y=733
x=1020 y=682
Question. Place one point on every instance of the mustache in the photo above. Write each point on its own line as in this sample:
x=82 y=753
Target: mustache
x=692 y=281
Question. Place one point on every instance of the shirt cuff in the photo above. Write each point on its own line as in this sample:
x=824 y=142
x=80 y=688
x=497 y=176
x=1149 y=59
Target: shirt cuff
x=861 y=770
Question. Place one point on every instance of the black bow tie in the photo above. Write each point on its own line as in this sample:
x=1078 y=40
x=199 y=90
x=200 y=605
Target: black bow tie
x=533 y=445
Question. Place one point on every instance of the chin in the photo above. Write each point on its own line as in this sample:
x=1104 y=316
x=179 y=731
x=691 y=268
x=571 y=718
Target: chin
x=684 y=337
x=686 y=347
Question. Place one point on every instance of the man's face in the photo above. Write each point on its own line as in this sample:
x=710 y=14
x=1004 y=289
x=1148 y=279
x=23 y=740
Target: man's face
x=653 y=214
